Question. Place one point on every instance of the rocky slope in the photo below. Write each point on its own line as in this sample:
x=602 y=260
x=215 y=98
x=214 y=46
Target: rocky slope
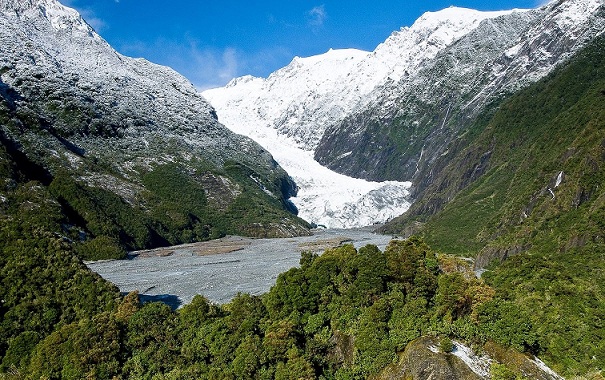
x=136 y=132
x=393 y=113
x=411 y=121
x=423 y=359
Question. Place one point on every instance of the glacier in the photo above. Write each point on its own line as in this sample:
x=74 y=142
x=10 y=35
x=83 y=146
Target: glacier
x=324 y=197
x=345 y=108
x=288 y=113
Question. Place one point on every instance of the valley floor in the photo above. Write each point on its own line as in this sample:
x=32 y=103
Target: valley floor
x=219 y=269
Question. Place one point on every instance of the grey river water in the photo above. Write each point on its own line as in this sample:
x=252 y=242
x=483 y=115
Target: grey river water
x=178 y=277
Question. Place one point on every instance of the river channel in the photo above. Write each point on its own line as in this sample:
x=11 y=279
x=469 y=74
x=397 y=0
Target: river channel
x=221 y=268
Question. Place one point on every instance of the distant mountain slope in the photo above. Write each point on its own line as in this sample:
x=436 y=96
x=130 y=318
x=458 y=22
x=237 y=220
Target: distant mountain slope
x=410 y=122
x=391 y=114
x=129 y=148
x=528 y=175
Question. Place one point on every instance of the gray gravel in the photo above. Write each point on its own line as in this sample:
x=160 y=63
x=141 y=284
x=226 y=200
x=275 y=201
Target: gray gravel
x=177 y=278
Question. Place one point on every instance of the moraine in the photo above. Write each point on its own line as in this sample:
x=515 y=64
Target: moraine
x=176 y=274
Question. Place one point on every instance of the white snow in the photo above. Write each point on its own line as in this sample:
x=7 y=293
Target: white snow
x=478 y=364
x=299 y=100
x=559 y=180
x=546 y=369
x=326 y=197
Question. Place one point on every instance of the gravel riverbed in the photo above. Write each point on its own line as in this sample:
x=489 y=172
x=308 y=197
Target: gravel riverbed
x=221 y=269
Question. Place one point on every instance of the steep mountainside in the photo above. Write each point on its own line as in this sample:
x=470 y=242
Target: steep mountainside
x=129 y=149
x=527 y=186
x=411 y=122
x=393 y=113
x=529 y=173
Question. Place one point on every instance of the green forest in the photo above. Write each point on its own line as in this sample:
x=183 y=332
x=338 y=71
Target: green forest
x=342 y=315
x=347 y=313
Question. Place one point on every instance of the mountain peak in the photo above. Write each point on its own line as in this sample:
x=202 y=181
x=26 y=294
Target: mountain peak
x=59 y=17
x=332 y=55
x=454 y=14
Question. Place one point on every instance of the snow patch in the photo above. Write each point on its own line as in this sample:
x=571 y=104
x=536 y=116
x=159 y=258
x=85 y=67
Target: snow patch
x=559 y=180
x=546 y=369
x=344 y=155
x=478 y=364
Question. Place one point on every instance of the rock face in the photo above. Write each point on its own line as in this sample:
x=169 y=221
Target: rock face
x=422 y=359
x=395 y=113
x=419 y=361
x=412 y=120
x=72 y=103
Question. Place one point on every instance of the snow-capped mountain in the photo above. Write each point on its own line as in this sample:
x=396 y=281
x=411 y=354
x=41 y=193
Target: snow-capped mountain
x=289 y=111
x=390 y=113
x=70 y=102
x=303 y=98
x=419 y=116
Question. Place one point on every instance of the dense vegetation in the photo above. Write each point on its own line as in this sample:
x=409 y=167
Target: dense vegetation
x=344 y=314
x=529 y=181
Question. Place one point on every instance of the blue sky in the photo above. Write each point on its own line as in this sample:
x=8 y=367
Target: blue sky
x=210 y=42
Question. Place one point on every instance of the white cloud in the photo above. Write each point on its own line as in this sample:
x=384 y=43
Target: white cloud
x=205 y=67
x=87 y=14
x=97 y=23
x=212 y=68
x=541 y=3
x=317 y=16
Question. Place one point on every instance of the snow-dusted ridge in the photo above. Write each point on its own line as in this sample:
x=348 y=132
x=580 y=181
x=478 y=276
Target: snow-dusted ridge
x=428 y=79
x=303 y=98
x=289 y=111
x=93 y=102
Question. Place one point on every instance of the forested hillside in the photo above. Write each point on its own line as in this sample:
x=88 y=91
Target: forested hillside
x=520 y=196
x=524 y=196
x=528 y=174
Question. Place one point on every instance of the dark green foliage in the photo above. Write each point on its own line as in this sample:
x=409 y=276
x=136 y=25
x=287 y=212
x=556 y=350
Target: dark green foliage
x=412 y=263
x=43 y=284
x=502 y=372
x=560 y=297
x=446 y=345
x=152 y=341
x=104 y=214
x=345 y=313
x=100 y=248
x=538 y=207
x=90 y=347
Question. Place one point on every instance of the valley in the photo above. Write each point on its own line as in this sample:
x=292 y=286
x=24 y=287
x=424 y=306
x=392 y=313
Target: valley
x=476 y=137
x=176 y=274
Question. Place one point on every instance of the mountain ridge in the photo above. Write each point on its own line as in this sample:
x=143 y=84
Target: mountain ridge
x=392 y=113
x=103 y=126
